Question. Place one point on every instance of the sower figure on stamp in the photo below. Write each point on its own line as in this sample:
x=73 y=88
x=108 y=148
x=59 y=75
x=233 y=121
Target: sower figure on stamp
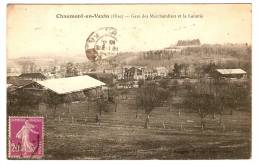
x=23 y=134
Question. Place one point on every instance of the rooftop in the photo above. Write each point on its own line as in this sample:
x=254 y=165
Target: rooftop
x=33 y=75
x=18 y=82
x=231 y=71
x=71 y=84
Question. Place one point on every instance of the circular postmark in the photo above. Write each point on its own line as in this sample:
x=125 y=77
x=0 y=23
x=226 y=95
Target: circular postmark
x=101 y=44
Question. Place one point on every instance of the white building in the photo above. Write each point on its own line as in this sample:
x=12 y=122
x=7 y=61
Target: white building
x=162 y=71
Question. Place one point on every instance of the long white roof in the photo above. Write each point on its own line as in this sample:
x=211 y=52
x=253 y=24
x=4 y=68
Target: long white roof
x=71 y=84
x=231 y=71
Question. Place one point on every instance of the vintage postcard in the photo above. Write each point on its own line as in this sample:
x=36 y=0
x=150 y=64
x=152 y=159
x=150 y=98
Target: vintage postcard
x=129 y=81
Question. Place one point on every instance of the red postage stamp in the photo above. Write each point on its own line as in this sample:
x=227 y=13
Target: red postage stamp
x=26 y=137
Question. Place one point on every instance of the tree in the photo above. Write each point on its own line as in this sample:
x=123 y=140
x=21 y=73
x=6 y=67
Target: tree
x=219 y=109
x=180 y=70
x=28 y=66
x=204 y=100
x=174 y=87
x=140 y=83
x=177 y=70
x=113 y=97
x=202 y=104
x=210 y=68
x=71 y=70
x=53 y=100
x=101 y=104
x=149 y=97
x=67 y=99
x=164 y=83
x=236 y=96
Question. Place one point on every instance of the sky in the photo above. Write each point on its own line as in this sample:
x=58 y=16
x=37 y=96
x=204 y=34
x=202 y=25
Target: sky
x=34 y=30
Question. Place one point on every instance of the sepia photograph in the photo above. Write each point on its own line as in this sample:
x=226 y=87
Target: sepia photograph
x=129 y=81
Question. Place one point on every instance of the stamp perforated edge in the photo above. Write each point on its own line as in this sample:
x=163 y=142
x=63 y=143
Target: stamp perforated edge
x=41 y=143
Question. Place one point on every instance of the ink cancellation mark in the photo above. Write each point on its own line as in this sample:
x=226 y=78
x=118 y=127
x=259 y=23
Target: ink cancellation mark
x=101 y=44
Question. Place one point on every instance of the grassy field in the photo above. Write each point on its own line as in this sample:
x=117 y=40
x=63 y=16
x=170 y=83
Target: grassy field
x=121 y=135
x=173 y=134
x=93 y=142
